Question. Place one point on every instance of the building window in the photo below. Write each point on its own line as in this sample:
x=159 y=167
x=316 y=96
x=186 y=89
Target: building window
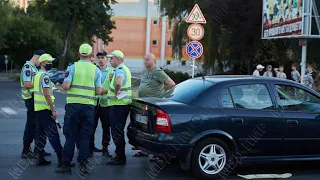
x=170 y=23
x=155 y=22
x=169 y=43
x=154 y=42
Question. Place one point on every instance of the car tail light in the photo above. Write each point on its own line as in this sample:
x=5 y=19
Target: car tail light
x=163 y=122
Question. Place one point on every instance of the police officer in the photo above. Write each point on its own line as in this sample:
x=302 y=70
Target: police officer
x=45 y=112
x=29 y=71
x=101 y=109
x=82 y=83
x=119 y=98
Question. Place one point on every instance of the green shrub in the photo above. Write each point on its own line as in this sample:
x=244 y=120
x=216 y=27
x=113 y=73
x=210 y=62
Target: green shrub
x=177 y=77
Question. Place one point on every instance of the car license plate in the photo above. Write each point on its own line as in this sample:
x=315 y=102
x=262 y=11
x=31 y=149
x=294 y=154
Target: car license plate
x=141 y=119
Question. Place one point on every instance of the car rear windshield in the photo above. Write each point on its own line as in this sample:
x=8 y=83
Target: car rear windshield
x=184 y=92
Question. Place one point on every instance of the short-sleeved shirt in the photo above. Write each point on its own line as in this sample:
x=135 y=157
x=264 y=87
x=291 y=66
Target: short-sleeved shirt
x=28 y=72
x=295 y=75
x=120 y=72
x=152 y=83
x=71 y=70
x=256 y=73
x=45 y=80
x=268 y=74
x=281 y=75
x=104 y=73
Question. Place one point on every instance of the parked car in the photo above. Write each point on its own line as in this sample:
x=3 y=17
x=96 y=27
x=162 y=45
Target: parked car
x=52 y=71
x=213 y=124
x=57 y=78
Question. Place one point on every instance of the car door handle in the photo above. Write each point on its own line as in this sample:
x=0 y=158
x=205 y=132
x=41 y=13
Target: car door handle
x=237 y=120
x=292 y=122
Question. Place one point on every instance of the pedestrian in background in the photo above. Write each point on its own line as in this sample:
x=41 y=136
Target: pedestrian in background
x=280 y=73
x=308 y=79
x=154 y=82
x=269 y=72
x=295 y=75
x=259 y=68
x=45 y=112
x=119 y=98
x=28 y=73
x=82 y=83
x=101 y=112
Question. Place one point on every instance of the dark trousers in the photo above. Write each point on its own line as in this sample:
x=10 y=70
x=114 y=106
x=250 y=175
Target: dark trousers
x=30 y=127
x=102 y=113
x=47 y=128
x=77 y=128
x=118 y=118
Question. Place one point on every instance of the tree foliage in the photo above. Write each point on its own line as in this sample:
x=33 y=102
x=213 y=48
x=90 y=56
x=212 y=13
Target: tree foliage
x=21 y=34
x=233 y=33
x=78 y=20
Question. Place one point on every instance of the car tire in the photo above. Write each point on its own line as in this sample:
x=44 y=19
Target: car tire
x=223 y=166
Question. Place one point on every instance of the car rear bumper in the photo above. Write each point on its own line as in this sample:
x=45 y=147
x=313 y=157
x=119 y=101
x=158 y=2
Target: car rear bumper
x=159 y=145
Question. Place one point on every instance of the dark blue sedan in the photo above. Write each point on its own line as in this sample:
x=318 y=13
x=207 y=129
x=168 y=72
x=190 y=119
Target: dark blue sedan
x=57 y=78
x=213 y=124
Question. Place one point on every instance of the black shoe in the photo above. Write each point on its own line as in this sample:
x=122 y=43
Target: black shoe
x=105 y=153
x=117 y=161
x=84 y=168
x=47 y=154
x=27 y=155
x=64 y=169
x=41 y=161
x=60 y=165
x=96 y=150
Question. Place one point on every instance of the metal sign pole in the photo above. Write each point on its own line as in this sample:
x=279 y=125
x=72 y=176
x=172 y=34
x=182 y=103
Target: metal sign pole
x=305 y=30
x=193 y=65
x=6 y=62
x=11 y=67
x=303 y=62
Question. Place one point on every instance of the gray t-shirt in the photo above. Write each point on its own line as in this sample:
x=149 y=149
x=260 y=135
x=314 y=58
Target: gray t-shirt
x=281 y=75
x=295 y=75
x=268 y=73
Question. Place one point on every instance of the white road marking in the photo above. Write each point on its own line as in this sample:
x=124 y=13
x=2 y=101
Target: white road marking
x=8 y=111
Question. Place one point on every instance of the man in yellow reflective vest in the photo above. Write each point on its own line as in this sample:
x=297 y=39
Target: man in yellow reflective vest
x=82 y=83
x=29 y=71
x=45 y=112
x=119 y=98
x=101 y=109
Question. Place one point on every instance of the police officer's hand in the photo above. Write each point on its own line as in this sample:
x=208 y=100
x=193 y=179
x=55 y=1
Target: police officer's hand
x=54 y=115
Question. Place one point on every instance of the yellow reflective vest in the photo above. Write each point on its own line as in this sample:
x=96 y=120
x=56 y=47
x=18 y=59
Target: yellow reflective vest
x=112 y=99
x=82 y=89
x=40 y=102
x=106 y=85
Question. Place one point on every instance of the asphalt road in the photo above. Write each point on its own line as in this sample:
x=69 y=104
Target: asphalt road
x=12 y=121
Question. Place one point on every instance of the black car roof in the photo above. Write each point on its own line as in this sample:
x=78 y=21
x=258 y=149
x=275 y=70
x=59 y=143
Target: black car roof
x=224 y=78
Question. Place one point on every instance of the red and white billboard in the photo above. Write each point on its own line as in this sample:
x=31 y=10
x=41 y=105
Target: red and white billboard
x=282 y=18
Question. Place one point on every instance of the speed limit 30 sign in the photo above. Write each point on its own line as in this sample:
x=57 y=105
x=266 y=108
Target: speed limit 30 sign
x=195 y=32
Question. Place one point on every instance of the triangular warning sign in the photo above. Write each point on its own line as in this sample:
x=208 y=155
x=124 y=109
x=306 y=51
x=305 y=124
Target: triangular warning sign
x=196 y=16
